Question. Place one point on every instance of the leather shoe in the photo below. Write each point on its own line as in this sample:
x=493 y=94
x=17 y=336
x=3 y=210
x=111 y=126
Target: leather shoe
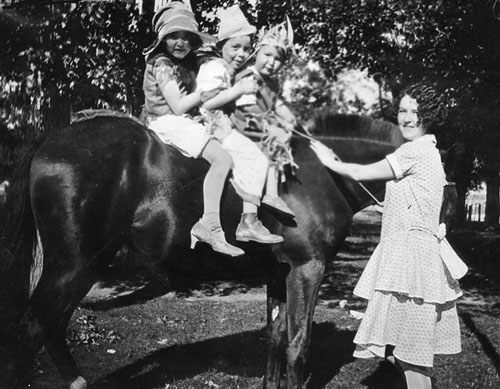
x=250 y=228
x=214 y=237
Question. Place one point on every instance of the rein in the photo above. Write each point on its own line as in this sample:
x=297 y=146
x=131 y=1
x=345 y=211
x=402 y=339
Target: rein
x=308 y=135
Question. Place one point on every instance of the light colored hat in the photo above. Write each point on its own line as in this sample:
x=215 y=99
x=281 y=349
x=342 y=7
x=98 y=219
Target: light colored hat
x=280 y=36
x=232 y=23
x=175 y=17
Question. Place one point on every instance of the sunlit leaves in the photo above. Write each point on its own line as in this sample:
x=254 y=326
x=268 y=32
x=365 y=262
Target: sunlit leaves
x=90 y=53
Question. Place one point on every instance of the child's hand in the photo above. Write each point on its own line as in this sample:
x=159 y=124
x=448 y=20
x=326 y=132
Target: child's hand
x=279 y=133
x=289 y=126
x=441 y=234
x=246 y=86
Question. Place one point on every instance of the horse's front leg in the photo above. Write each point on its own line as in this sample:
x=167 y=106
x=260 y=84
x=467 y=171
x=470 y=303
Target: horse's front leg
x=302 y=291
x=276 y=327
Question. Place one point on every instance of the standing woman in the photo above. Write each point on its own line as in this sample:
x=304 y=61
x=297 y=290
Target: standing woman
x=411 y=313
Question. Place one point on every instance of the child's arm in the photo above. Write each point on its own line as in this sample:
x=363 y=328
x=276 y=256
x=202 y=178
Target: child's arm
x=284 y=113
x=244 y=86
x=178 y=101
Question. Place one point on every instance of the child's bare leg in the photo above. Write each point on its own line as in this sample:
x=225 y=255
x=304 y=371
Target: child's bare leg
x=220 y=163
x=208 y=229
x=272 y=181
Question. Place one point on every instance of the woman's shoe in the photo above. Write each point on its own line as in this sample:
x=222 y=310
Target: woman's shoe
x=215 y=238
x=250 y=228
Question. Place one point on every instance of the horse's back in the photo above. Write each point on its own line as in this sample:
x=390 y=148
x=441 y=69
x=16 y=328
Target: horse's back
x=109 y=181
x=91 y=177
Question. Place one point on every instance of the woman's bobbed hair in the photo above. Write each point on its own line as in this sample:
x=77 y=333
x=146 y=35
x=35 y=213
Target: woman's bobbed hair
x=431 y=108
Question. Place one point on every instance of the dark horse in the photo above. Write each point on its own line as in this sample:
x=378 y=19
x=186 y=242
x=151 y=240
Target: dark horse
x=108 y=181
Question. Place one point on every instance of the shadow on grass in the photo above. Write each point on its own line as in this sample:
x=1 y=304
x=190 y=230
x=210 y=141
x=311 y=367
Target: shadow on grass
x=384 y=377
x=330 y=349
x=339 y=282
x=488 y=347
x=241 y=354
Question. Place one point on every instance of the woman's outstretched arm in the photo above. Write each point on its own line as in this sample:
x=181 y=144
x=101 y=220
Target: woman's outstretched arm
x=380 y=170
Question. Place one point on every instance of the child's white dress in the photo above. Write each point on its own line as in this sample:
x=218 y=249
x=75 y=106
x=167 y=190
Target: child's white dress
x=184 y=132
x=410 y=291
x=250 y=163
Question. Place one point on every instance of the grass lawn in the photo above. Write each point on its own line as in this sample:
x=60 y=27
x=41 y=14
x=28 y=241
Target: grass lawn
x=213 y=336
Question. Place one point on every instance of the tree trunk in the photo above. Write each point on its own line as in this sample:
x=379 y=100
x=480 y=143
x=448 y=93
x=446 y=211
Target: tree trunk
x=457 y=165
x=460 y=217
x=492 y=212
x=148 y=7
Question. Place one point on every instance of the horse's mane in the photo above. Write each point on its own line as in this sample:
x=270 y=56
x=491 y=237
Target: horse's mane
x=355 y=127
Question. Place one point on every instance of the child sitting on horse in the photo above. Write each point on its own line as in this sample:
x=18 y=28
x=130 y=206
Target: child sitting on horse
x=264 y=115
x=218 y=93
x=170 y=110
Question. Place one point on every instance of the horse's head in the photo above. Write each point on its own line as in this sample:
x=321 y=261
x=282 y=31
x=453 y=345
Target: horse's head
x=357 y=139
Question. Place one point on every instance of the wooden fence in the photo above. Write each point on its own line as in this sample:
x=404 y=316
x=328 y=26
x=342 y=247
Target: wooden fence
x=475 y=212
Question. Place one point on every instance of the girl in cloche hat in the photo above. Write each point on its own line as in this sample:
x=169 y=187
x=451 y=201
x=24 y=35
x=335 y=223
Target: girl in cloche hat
x=170 y=110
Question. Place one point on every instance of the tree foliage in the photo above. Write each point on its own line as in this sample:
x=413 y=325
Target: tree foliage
x=63 y=58
x=450 y=43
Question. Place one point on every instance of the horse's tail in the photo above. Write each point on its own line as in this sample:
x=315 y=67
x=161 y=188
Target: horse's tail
x=21 y=256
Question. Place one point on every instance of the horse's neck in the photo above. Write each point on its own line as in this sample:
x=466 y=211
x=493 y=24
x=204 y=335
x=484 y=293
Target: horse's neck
x=360 y=195
x=358 y=150
x=362 y=151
